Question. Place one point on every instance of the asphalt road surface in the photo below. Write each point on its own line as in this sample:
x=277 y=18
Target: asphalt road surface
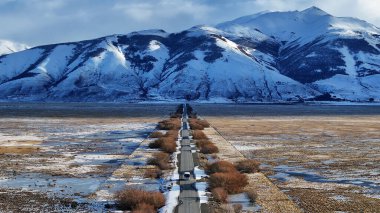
x=188 y=197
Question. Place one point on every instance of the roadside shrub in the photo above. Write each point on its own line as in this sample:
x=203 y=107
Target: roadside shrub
x=197 y=124
x=200 y=143
x=220 y=194
x=169 y=146
x=171 y=124
x=209 y=149
x=156 y=144
x=154 y=173
x=175 y=115
x=252 y=194
x=220 y=166
x=156 y=135
x=203 y=123
x=131 y=199
x=199 y=135
x=206 y=147
x=172 y=134
x=144 y=208
x=161 y=160
x=232 y=182
x=248 y=166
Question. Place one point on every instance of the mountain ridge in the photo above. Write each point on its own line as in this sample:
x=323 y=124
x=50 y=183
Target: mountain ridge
x=232 y=61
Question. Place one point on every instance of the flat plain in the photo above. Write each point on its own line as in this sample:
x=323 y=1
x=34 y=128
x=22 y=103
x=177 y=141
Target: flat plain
x=59 y=157
x=326 y=158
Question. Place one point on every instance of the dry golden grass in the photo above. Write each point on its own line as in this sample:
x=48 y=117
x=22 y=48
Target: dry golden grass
x=252 y=194
x=18 y=149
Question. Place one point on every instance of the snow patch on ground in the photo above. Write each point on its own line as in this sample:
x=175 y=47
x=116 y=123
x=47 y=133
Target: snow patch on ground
x=199 y=173
x=202 y=191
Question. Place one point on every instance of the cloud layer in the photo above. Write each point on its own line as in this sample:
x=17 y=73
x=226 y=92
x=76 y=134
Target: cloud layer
x=37 y=22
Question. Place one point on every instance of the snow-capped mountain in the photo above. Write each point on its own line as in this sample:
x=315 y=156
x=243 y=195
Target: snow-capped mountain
x=7 y=47
x=273 y=56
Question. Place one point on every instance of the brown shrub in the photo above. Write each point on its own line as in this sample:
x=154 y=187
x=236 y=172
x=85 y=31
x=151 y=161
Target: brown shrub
x=161 y=160
x=171 y=124
x=196 y=124
x=248 y=166
x=175 y=115
x=232 y=182
x=153 y=173
x=144 y=208
x=203 y=123
x=200 y=143
x=130 y=199
x=172 y=134
x=199 y=135
x=156 y=135
x=206 y=146
x=156 y=144
x=209 y=149
x=220 y=166
x=252 y=194
x=220 y=194
x=169 y=146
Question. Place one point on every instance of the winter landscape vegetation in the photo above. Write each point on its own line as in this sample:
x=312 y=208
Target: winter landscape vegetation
x=272 y=112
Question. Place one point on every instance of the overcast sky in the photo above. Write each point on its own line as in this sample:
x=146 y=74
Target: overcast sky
x=37 y=22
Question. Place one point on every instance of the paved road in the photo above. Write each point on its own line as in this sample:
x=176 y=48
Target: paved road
x=188 y=197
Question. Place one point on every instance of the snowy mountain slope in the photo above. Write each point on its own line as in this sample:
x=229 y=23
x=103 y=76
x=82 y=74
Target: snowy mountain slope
x=312 y=46
x=275 y=56
x=7 y=47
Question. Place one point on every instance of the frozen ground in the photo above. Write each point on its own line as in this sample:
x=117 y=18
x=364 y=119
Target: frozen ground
x=61 y=156
x=325 y=157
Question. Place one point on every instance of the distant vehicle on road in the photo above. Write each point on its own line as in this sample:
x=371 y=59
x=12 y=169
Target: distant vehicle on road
x=186 y=175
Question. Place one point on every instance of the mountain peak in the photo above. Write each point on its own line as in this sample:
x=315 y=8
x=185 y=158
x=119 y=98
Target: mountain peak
x=314 y=11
